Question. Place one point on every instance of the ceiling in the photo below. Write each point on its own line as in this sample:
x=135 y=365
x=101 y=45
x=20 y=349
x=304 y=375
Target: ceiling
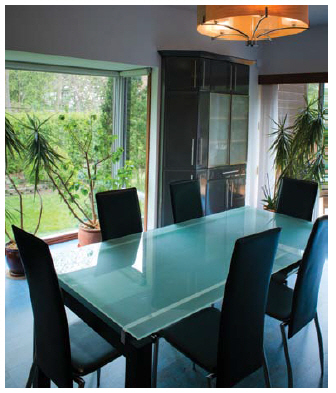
x=318 y=14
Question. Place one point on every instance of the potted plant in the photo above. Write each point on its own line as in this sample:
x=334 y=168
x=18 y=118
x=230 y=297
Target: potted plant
x=85 y=170
x=299 y=150
x=31 y=149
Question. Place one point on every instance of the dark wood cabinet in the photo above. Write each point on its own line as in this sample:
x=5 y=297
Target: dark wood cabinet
x=180 y=130
x=186 y=73
x=240 y=79
x=221 y=76
x=203 y=125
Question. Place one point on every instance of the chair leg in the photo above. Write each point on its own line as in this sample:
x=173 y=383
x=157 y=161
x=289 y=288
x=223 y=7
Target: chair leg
x=320 y=342
x=80 y=381
x=289 y=367
x=98 y=377
x=266 y=373
x=155 y=361
x=31 y=375
x=209 y=378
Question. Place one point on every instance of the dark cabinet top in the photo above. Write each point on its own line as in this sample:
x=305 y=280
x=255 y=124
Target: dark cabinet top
x=207 y=55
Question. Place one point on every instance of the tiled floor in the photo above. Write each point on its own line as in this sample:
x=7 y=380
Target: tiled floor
x=174 y=369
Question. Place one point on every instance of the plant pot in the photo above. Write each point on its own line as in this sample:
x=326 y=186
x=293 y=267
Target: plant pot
x=88 y=235
x=270 y=210
x=14 y=262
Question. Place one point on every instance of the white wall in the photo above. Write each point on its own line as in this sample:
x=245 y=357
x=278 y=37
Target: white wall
x=134 y=34
x=300 y=53
x=126 y=34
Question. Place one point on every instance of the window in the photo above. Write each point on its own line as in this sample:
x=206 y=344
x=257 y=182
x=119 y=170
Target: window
x=111 y=108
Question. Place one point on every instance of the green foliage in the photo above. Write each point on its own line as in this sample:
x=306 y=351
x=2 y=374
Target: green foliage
x=270 y=201
x=282 y=144
x=299 y=150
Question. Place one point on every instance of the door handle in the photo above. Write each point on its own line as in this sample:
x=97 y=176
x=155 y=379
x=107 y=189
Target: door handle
x=192 y=151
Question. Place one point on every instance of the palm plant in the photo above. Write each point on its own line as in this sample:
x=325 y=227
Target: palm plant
x=36 y=154
x=299 y=149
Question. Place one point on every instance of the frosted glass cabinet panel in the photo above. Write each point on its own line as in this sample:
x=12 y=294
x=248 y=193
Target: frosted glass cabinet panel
x=219 y=125
x=239 y=128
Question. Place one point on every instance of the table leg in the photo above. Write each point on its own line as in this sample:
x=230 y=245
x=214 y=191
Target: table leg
x=139 y=367
x=40 y=379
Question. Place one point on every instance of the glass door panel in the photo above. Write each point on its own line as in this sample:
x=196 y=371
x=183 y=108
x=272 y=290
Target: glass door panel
x=219 y=129
x=239 y=128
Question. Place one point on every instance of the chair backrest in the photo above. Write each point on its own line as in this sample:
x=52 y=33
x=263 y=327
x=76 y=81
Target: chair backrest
x=309 y=277
x=119 y=213
x=186 y=200
x=297 y=198
x=240 y=345
x=52 y=344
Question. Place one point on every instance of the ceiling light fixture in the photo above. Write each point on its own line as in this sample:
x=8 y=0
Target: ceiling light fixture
x=251 y=23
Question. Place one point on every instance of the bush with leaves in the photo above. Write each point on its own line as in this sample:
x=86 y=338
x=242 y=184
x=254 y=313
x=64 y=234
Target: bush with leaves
x=299 y=150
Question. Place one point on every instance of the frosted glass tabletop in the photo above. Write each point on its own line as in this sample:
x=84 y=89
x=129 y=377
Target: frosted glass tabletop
x=145 y=282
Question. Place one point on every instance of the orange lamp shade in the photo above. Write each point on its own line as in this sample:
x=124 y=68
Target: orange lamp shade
x=251 y=22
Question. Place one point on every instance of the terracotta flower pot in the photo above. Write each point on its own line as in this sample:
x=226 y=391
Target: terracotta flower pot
x=88 y=235
x=14 y=261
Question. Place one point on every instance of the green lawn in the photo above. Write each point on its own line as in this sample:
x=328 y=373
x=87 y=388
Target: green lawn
x=55 y=217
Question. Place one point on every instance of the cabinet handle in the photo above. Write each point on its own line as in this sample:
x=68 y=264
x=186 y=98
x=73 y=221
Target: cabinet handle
x=195 y=64
x=192 y=151
x=191 y=177
x=200 y=151
x=227 y=173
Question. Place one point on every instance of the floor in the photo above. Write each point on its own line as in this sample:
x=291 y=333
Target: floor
x=174 y=371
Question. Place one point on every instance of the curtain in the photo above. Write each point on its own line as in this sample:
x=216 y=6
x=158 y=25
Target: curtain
x=268 y=111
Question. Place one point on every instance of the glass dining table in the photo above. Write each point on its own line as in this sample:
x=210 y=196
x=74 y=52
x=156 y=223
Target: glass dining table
x=128 y=289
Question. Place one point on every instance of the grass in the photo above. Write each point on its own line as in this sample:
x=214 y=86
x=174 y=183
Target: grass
x=55 y=217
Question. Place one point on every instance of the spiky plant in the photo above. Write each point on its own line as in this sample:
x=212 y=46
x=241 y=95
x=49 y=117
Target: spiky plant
x=299 y=149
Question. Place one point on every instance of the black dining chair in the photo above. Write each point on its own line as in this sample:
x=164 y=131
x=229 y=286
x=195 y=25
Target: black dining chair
x=229 y=343
x=295 y=308
x=119 y=213
x=62 y=353
x=186 y=200
x=296 y=199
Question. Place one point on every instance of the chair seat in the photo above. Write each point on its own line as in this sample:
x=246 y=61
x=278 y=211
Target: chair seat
x=197 y=337
x=279 y=303
x=89 y=351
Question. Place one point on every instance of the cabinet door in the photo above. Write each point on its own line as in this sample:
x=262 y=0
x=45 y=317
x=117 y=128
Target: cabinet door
x=203 y=130
x=180 y=130
x=181 y=73
x=217 y=196
x=239 y=129
x=237 y=192
x=219 y=125
x=241 y=79
x=168 y=177
x=221 y=76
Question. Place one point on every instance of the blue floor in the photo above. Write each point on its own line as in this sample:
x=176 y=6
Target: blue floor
x=174 y=371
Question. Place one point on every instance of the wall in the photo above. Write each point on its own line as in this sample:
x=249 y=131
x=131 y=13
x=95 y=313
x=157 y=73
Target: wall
x=300 y=53
x=126 y=34
x=134 y=34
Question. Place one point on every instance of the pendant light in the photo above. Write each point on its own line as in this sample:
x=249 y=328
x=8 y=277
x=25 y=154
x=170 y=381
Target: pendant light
x=251 y=23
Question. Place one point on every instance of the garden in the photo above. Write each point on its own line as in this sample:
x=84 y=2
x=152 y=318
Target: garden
x=60 y=148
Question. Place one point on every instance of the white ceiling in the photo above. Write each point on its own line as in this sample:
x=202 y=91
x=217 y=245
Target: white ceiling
x=318 y=14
